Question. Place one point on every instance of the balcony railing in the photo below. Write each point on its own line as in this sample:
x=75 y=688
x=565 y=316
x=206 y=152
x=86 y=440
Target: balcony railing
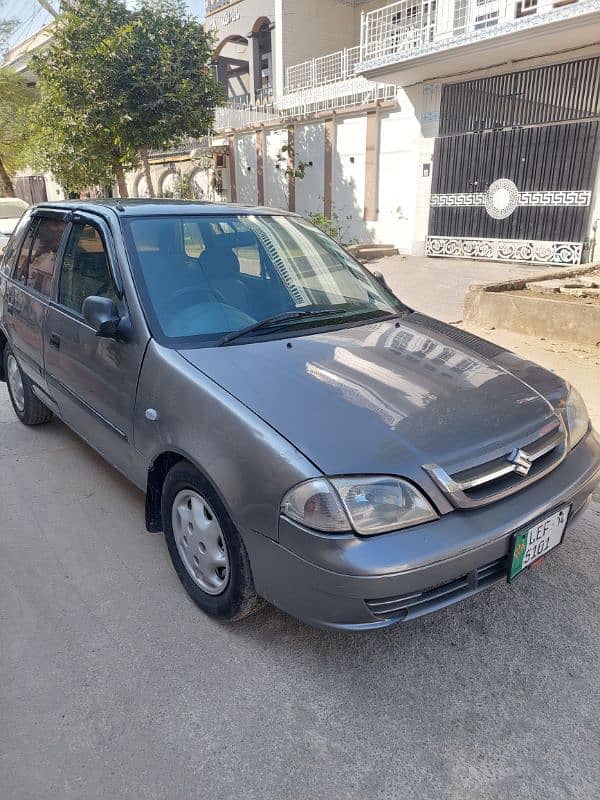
x=410 y=28
x=235 y=116
x=262 y=97
x=331 y=68
x=216 y=5
x=329 y=82
x=182 y=148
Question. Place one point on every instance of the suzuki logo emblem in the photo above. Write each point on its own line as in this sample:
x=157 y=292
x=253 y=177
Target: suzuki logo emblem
x=521 y=461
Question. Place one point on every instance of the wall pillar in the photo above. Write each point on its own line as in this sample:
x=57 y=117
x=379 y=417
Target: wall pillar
x=277 y=66
x=253 y=66
x=371 y=212
x=291 y=166
x=260 y=166
x=221 y=72
x=232 y=178
x=328 y=167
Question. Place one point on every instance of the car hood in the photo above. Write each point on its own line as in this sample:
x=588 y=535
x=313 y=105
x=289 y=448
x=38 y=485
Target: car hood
x=386 y=397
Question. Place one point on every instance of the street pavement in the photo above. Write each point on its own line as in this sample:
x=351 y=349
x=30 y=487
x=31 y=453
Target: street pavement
x=437 y=286
x=113 y=684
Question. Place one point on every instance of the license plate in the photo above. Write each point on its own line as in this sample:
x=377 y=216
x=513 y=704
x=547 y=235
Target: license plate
x=537 y=540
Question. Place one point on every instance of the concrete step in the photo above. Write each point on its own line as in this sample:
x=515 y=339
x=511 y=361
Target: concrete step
x=369 y=252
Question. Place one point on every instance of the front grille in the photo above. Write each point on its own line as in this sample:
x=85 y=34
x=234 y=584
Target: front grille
x=413 y=605
x=492 y=480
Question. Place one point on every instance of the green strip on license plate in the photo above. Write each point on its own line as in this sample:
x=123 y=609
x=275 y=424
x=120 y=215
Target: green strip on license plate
x=540 y=538
x=519 y=553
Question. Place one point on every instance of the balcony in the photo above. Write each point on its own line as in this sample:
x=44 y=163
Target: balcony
x=216 y=5
x=329 y=82
x=416 y=40
x=237 y=115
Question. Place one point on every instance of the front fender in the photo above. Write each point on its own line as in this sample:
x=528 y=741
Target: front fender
x=249 y=464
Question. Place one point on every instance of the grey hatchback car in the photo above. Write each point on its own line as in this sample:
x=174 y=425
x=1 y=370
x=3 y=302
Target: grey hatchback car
x=300 y=434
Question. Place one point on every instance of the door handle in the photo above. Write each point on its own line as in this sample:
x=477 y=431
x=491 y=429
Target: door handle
x=55 y=341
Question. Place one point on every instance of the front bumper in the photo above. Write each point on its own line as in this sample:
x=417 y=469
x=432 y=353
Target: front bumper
x=351 y=583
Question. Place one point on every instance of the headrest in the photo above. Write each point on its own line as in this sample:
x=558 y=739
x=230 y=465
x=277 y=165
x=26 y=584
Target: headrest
x=220 y=263
x=231 y=240
x=161 y=237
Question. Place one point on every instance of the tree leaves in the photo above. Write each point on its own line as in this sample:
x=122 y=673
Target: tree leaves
x=16 y=100
x=116 y=81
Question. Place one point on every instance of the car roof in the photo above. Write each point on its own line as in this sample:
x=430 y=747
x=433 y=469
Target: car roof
x=158 y=207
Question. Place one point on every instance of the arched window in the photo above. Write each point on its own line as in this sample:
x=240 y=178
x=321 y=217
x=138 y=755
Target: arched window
x=232 y=63
x=263 y=59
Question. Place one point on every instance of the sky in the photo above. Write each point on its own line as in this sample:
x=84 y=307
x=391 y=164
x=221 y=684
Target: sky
x=32 y=16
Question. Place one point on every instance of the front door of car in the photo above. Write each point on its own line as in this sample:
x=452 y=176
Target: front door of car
x=93 y=379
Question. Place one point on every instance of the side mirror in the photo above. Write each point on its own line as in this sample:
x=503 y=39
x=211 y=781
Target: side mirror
x=101 y=314
x=380 y=279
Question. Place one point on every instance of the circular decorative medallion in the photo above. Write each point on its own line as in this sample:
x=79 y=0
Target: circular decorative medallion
x=501 y=199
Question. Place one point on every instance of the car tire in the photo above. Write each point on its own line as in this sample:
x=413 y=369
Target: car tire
x=28 y=408
x=207 y=551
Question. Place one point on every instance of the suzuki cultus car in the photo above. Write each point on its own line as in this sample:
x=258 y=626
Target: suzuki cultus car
x=300 y=434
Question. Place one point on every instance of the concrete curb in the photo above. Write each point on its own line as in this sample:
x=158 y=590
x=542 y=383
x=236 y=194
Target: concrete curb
x=490 y=305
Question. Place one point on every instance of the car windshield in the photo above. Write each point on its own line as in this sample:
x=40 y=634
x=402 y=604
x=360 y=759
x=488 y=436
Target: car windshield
x=205 y=277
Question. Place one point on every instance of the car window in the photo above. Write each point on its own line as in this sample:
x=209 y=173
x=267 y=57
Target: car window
x=85 y=271
x=12 y=244
x=20 y=273
x=5 y=265
x=42 y=259
x=250 y=269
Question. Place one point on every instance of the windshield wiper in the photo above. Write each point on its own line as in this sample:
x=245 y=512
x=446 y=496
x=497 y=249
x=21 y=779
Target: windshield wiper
x=284 y=316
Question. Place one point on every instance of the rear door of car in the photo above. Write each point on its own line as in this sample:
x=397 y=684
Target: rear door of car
x=94 y=379
x=27 y=290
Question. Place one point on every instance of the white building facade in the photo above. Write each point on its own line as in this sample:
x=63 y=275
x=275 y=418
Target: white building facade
x=463 y=128
x=452 y=127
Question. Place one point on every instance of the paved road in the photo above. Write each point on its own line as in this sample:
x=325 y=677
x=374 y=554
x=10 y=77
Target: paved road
x=114 y=686
x=437 y=286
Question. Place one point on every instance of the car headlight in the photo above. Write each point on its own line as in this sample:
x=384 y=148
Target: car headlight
x=576 y=416
x=369 y=505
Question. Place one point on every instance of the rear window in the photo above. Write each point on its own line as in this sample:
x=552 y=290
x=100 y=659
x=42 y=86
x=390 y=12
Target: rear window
x=11 y=250
x=42 y=259
x=20 y=273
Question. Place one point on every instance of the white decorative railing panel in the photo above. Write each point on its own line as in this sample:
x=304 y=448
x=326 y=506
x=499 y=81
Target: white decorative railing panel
x=235 y=116
x=330 y=81
x=331 y=68
x=411 y=28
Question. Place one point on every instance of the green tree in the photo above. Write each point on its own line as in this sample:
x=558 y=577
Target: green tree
x=171 y=91
x=16 y=99
x=116 y=82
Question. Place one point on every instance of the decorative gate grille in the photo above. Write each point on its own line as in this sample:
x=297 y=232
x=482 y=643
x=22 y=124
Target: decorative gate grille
x=522 y=193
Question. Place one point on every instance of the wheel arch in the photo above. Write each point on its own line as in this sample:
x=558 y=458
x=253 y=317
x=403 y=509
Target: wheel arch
x=157 y=472
x=3 y=343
